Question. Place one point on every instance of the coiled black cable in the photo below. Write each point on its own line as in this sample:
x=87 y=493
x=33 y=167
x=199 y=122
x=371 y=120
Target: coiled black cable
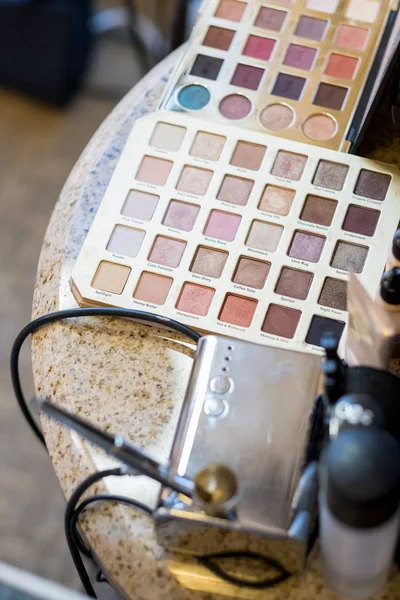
x=74 y=313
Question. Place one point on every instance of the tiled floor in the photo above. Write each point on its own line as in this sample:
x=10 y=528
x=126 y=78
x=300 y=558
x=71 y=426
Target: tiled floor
x=38 y=147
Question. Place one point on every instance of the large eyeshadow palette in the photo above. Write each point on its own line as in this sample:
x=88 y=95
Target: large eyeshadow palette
x=296 y=69
x=237 y=232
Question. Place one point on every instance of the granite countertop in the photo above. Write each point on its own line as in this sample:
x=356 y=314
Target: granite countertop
x=130 y=379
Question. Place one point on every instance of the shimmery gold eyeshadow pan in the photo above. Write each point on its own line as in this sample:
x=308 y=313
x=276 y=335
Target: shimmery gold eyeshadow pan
x=296 y=69
x=237 y=232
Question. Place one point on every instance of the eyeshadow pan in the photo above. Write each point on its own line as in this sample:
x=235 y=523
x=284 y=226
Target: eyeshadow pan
x=248 y=77
x=322 y=325
x=181 y=215
x=222 y=225
x=353 y=38
x=289 y=165
x=111 y=277
x=167 y=251
x=373 y=185
x=154 y=170
x=363 y=10
x=277 y=117
x=330 y=96
x=326 y=6
x=206 y=66
x=361 y=220
x=294 y=283
x=238 y=310
x=231 y=10
x=219 y=38
x=167 y=137
x=330 y=175
x=334 y=293
x=235 y=107
x=300 y=57
x=195 y=299
x=194 y=180
x=194 y=97
x=152 y=288
x=311 y=28
x=341 y=66
x=125 y=241
x=320 y=127
x=318 y=210
x=251 y=272
x=288 y=86
x=281 y=321
x=209 y=262
x=208 y=146
x=270 y=18
x=277 y=200
x=235 y=190
x=248 y=156
x=307 y=246
x=140 y=205
x=264 y=236
x=349 y=257
x=259 y=47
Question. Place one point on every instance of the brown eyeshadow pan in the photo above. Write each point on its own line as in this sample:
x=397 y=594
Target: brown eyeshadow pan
x=373 y=185
x=251 y=272
x=318 y=210
x=294 y=283
x=281 y=321
x=219 y=38
x=209 y=262
x=248 y=156
x=334 y=293
x=361 y=220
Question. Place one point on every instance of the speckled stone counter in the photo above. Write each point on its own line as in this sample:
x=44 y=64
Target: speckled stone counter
x=130 y=379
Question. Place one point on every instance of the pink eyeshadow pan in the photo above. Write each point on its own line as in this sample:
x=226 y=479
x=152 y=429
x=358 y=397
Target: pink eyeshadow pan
x=300 y=57
x=238 y=310
x=222 y=225
x=353 y=38
x=154 y=170
x=153 y=288
x=235 y=189
x=167 y=251
x=181 y=215
x=307 y=246
x=195 y=299
x=259 y=47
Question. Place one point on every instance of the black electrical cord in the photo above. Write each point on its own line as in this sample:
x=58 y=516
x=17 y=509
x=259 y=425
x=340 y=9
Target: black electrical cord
x=73 y=510
x=208 y=561
x=60 y=315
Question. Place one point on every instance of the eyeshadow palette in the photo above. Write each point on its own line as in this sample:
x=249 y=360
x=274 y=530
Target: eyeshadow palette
x=296 y=69
x=237 y=232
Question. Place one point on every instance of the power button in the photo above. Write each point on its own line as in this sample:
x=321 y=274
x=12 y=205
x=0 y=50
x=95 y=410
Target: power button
x=220 y=384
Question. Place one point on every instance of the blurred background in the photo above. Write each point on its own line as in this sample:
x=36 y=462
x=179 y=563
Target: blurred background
x=64 y=64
